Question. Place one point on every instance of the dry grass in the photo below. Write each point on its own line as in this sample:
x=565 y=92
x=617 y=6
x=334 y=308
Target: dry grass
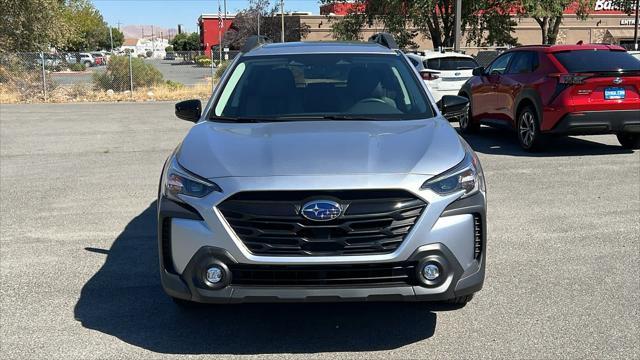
x=86 y=93
x=7 y=96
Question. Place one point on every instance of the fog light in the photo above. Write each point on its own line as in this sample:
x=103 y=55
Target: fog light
x=214 y=274
x=430 y=272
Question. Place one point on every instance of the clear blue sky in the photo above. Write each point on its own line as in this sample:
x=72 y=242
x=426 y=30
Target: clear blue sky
x=169 y=13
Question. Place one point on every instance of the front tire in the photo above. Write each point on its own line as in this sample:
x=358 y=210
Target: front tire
x=466 y=123
x=629 y=140
x=528 y=130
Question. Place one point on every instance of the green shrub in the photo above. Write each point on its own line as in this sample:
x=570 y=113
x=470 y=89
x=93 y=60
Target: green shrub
x=149 y=54
x=206 y=62
x=221 y=69
x=77 y=67
x=174 y=85
x=200 y=57
x=168 y=49
x=116 y=77
x=53 y=68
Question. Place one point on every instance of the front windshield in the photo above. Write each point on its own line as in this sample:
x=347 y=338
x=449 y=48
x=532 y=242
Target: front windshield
x=326 y=86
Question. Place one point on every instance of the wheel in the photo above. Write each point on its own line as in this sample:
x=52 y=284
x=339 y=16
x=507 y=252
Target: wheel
x=87 y=63
x=629 y=140
x=466 y=123
x=528 y=130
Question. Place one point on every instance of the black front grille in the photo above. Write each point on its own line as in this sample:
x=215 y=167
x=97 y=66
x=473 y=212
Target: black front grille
x=324 y=275
x=373 y=222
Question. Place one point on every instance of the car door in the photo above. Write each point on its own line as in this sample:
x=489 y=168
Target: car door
x=483 y=100
x=512 y=82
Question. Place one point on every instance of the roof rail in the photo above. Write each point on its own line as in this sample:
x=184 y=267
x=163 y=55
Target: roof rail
x=384 y=39
x=254 y=41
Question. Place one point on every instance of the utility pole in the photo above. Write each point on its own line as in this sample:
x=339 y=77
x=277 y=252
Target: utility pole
x=258 y=13
x=153 y=43
x=111 y=37
x=119 y=24
x=219 y=32
x=635 y=29
x=458 y=25
x=282 y=20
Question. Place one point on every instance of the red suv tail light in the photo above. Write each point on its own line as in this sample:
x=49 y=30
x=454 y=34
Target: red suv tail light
x=571 y=79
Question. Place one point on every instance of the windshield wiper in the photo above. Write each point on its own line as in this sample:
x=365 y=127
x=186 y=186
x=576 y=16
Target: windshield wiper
x=238 y=119
x=324 y=117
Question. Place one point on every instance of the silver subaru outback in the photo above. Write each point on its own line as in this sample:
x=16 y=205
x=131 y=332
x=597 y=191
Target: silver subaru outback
x=322 y=172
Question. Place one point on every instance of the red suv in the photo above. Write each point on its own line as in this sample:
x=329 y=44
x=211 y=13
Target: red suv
x=557 y=90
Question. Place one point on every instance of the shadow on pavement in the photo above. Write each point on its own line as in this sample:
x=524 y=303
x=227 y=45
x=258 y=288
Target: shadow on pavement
x=124 y=299
x=503 y=142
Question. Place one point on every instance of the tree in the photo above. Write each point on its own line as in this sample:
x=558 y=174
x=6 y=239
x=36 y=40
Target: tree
x=118 y=38
x=88 y=30
x=245 y=24
x=186 y=42
x=394 y=15
x=550 y=13
x=434 y=19
x=31 y=25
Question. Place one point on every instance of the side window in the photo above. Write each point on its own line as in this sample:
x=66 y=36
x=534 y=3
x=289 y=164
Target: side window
x=524 y=62
x=499 y=66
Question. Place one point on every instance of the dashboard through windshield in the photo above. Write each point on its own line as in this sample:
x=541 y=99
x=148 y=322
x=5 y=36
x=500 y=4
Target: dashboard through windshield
x=322 y=86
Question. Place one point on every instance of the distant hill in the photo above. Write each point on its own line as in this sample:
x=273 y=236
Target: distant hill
x=136 y=31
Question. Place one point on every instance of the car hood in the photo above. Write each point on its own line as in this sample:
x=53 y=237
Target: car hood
x=215 y=150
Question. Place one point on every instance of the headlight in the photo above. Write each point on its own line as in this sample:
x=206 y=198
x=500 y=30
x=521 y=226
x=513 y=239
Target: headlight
x=467 y=176
x=177 y=180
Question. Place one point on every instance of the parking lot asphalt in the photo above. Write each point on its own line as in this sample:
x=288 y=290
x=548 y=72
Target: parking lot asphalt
x=78 y=257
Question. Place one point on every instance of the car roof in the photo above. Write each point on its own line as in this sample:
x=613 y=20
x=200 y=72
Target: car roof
x=319 y=47
x=561 y=48
x=430 y=54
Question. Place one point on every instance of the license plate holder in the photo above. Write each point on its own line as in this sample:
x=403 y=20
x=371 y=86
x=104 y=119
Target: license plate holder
x=614 y=93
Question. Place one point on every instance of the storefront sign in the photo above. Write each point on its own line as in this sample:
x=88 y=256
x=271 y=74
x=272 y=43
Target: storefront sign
x=605 y=5
x=628 y=22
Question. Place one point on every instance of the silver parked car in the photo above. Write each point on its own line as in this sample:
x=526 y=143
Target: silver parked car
x=321 y=172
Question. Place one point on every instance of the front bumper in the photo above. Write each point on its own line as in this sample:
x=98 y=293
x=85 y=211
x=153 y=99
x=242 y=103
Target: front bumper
x=598 y=122
x=189 y=285
x=192 y=237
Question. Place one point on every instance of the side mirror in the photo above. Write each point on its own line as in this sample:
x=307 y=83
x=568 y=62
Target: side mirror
x=453 y=107
x=189 y=110
x=479 y=71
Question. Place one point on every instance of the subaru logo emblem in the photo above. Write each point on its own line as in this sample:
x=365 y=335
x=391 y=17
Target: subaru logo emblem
x=321 y=210
x=617 y=81
x=457 y=74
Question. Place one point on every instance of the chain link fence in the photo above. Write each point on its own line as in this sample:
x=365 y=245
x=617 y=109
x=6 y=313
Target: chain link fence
x=69 y=77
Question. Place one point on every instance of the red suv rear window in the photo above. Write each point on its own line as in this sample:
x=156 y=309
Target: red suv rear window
x=597 y=61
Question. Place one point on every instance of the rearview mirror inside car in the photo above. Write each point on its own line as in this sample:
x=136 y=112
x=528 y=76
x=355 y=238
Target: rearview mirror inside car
x=189 y=110
x=453 y=107
x=479 y=71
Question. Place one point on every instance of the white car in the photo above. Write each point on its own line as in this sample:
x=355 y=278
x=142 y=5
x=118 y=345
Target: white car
x=443 y=72
x=85 y=58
